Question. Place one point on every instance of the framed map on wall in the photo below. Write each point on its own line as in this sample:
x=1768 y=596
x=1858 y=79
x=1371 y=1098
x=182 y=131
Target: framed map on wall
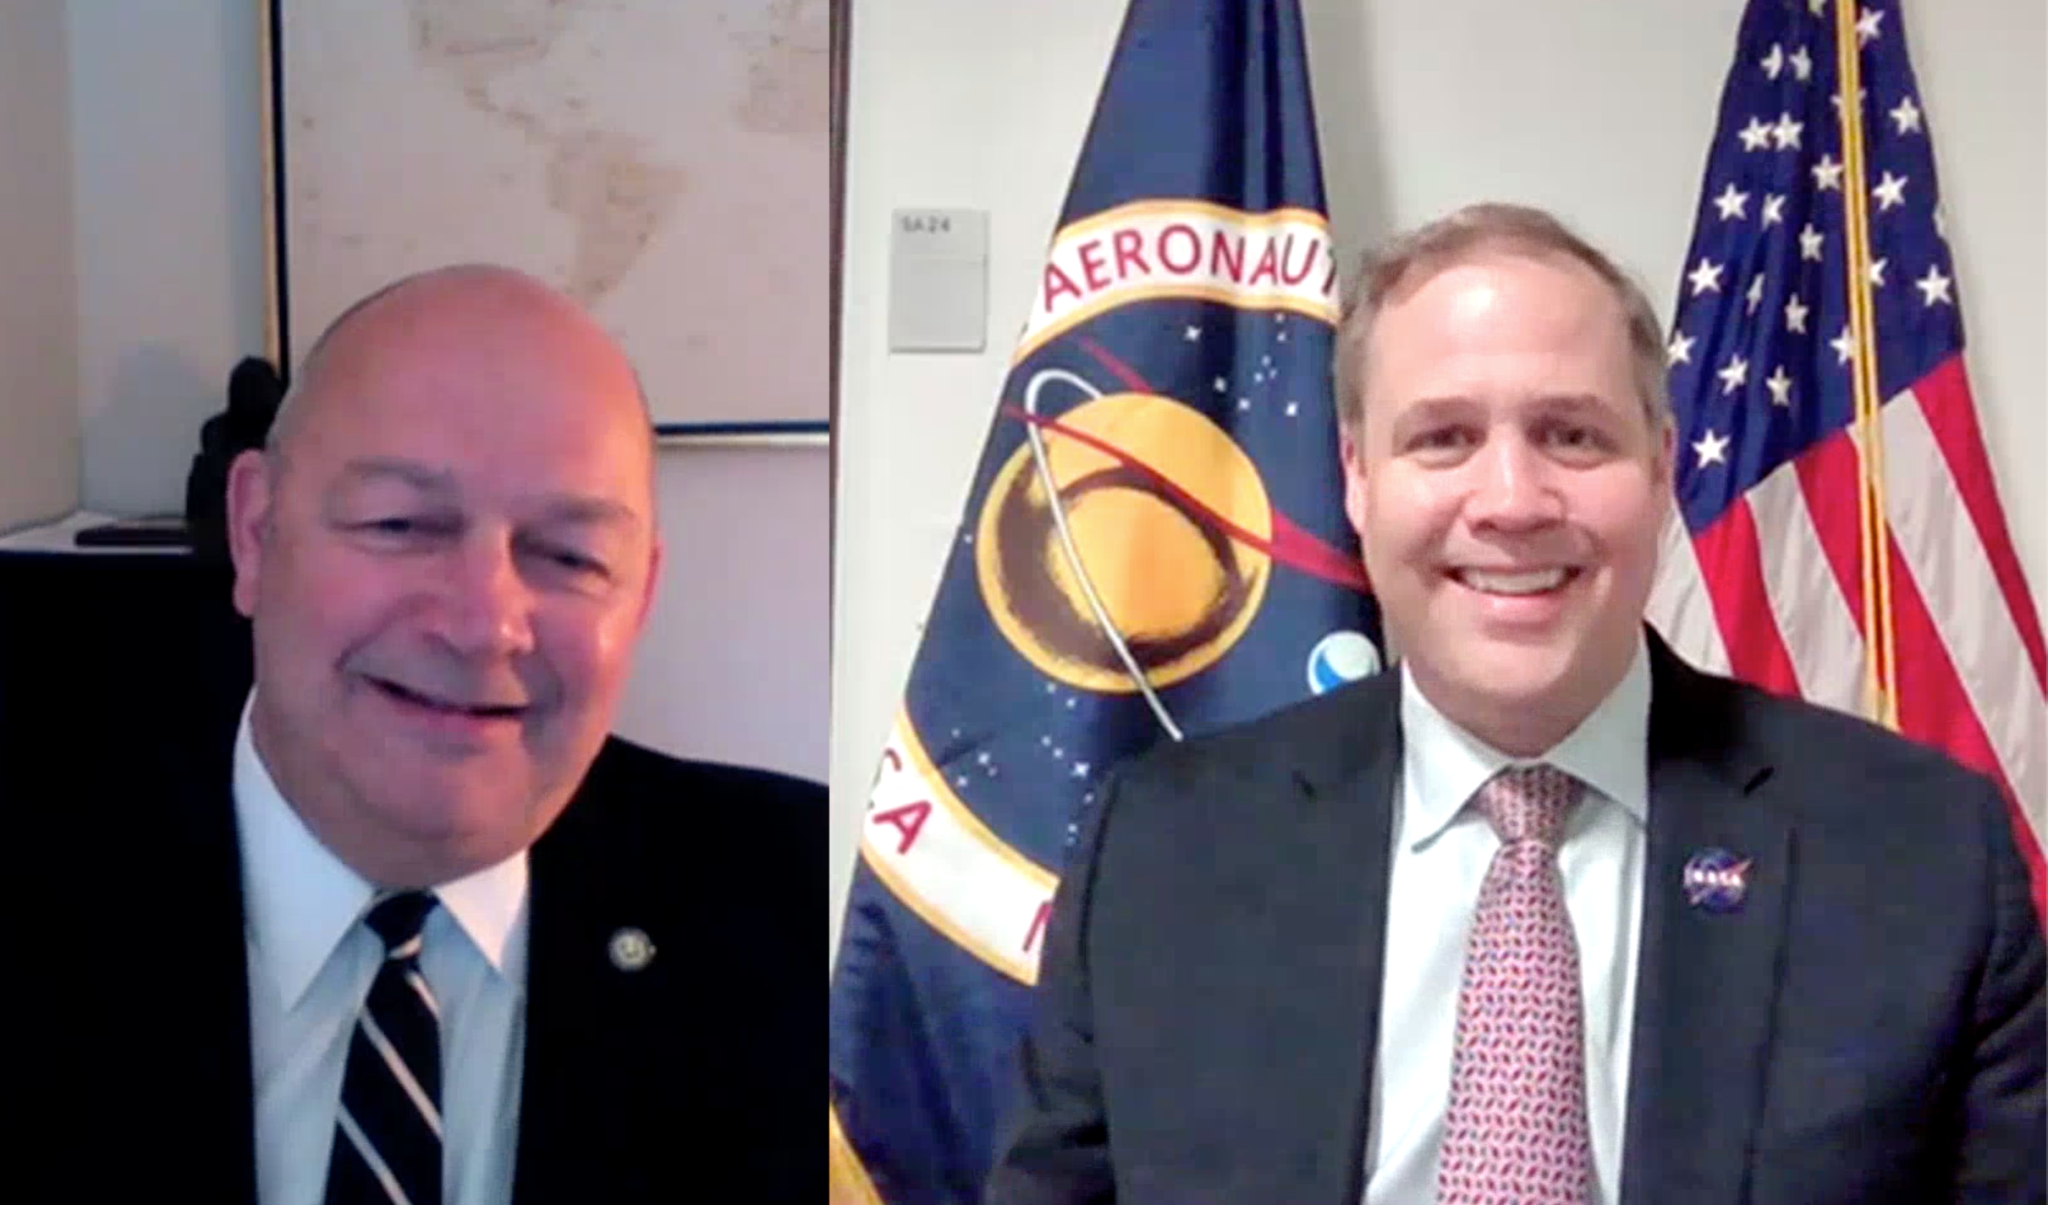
x=665 y=162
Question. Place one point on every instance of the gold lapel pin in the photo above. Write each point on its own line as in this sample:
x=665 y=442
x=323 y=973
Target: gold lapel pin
x=631 y=949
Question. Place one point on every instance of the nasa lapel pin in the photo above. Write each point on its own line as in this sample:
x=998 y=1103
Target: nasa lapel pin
x=631 y=949
x=1716 y=880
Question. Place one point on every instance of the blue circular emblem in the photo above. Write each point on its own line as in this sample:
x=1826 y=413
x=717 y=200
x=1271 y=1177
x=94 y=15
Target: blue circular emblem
x=1340 y=657
x=1716 y=880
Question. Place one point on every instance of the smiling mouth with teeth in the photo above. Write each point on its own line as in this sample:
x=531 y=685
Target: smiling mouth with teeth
x=487 y=711
x=1532 y=581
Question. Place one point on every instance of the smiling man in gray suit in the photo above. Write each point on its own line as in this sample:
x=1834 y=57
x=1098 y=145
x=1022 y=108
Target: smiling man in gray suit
x=1545 y=915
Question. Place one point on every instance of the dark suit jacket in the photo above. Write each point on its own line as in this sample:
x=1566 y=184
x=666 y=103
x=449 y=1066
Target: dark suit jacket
x=645 y=1086
x=1869 y=1027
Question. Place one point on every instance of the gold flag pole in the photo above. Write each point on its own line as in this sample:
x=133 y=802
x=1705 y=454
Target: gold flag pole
x=1881 y=677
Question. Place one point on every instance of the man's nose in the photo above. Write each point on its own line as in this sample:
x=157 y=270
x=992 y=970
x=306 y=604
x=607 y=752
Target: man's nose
x=1516 y=486
x=485 y=607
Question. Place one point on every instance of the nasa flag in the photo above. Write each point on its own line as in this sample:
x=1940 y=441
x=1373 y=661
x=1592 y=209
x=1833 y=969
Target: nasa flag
x=1154 y=546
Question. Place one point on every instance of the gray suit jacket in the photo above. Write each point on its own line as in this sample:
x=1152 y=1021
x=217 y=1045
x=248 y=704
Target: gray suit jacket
x=1868 y=1027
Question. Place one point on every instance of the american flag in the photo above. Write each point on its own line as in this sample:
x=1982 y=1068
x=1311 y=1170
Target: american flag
x=1767 y=574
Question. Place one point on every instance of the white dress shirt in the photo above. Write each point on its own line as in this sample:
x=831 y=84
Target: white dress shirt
x=311 y=961
x=1441 y=853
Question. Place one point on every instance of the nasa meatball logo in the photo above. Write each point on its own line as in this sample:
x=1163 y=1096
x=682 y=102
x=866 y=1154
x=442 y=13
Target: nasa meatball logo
x=1127 y=534
x=1128 y=543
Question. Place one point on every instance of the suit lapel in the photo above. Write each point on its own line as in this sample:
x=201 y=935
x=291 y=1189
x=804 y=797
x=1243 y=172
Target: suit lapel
x=191 y=1069
x=1339 y=863
x=582 y=1105
x=221 y=1054
x=1707 y=981
x=560 y=944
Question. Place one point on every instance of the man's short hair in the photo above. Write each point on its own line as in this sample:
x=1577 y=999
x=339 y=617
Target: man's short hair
x=1412 y=258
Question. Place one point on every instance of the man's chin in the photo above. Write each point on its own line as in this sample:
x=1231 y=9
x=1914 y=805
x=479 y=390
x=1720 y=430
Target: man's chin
x=1506 y=677
x=1517 y=661
x=450 y=807
x=443 y=848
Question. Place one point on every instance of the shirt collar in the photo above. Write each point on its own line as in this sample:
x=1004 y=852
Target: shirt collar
x=1445 y=764
x=301 y=900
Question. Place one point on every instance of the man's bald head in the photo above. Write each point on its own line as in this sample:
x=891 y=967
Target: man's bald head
x=461 y=290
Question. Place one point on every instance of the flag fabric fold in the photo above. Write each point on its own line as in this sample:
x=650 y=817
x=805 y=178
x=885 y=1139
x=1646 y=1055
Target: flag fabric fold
x=1840 y=536
x=1153 y=546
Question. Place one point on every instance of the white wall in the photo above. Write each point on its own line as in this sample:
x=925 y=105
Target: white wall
x=39 y=437
x=167 y=166
x=1597 y=110
x=736 y=665
x=166 y=105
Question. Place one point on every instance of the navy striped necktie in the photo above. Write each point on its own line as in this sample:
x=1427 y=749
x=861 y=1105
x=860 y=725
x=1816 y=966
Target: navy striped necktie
x=387 y=1134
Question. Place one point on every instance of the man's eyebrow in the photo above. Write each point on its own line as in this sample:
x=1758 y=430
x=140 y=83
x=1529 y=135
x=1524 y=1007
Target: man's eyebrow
x=1434 y=408
x=410 y=472
x=590 y=509
x=1441 y=406
x=1571 y=401
x=580 y=509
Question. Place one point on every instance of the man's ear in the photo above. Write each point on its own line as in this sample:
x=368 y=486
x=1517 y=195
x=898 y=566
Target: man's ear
x=1666 y=467
x=1353 y=457
x=653 y=582
x=252 y=492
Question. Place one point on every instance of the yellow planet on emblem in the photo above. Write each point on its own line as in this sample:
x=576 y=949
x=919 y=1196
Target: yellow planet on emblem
x=1140 y=503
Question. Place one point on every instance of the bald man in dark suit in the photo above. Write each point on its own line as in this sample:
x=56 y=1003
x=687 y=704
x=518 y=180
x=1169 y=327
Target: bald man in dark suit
x=399 y=918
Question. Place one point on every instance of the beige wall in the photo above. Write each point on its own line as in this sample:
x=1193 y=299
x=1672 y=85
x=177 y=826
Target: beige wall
x=39 y=428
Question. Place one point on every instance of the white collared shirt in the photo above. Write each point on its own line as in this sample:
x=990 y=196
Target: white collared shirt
x=311 y=961
x=1441 y=853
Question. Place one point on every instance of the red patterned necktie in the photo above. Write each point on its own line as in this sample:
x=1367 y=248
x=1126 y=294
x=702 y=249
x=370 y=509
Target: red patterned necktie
x=1515 y=1132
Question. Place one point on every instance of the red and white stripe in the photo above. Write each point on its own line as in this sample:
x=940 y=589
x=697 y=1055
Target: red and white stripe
x=1772 y=594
